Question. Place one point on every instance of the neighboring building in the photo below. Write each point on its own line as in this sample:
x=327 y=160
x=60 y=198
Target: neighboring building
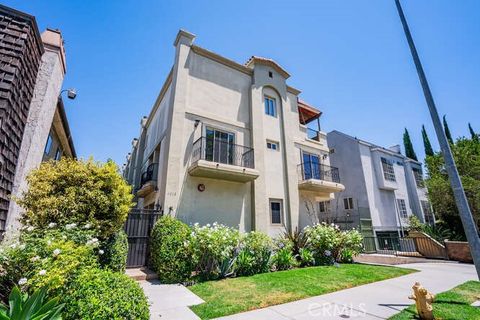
x=31 y=75
x=382 y=188
x=230 y=143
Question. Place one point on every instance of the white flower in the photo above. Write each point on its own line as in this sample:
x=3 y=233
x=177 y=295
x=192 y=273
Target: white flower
x=30 y=228
x=22 y=281
x=42 y=272
x=328 y=253
x=36 y=258
x=101 y=252
x=92 y=242
x=56 y=252
x=52 y=225
x=13 y=245
x=87 y=226
x=70 y=226
x=22 y=246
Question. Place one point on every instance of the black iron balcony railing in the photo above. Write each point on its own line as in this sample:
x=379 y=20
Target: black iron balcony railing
x=317 y=171
x=150 y=174
x=313 y=134
x=221 y=151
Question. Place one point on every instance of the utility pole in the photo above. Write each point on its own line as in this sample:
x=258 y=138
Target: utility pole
x=458 y=192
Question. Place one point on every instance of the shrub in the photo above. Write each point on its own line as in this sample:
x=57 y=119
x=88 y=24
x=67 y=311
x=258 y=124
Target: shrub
x=170 y=255
x=114 y=251
x=72 y=191
x=283 y=259
x=351 y=245
x=255 y=254
x=306 y=258
x=50 y=262
x=297 y=239
x=214 y=248
x=98 y=294
x=329 y=244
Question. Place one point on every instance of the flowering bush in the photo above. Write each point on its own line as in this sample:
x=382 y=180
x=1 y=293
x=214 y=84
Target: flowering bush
x=254 y=256
x=171 y=254
x=352 y=245
x=329 y=244
x=98 y=294
x=51 y=262
x=214 y=249
x=306 y=258
x=73 y=191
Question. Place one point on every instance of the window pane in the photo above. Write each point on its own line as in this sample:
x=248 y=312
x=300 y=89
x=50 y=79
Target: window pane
x=48 y=146
x=350 y=202
x=345 y=203
x=275 y=208
x=266 y=105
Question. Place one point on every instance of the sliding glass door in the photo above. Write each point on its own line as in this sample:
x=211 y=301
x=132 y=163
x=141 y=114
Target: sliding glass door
x=219 y=146
x=311 y=166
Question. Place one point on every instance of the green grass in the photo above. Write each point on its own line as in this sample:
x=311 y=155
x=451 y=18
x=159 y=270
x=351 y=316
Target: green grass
x=229 y=296
x=450 y=305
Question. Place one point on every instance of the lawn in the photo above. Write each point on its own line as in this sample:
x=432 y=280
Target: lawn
x=450 y=305
x=233 y=295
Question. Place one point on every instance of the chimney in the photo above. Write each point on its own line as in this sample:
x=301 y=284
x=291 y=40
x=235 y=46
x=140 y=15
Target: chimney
x=53 y=41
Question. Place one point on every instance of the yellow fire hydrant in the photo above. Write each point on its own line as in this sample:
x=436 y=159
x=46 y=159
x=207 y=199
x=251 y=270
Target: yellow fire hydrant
x=423 y=301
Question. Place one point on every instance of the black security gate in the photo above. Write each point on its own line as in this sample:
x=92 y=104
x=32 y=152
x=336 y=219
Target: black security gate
x=138 y=227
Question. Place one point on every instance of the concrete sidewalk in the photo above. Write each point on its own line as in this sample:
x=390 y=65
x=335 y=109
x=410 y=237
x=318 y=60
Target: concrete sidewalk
x=378 y=300
x=169 y=301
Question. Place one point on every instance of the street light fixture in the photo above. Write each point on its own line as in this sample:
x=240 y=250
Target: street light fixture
x=71 y=93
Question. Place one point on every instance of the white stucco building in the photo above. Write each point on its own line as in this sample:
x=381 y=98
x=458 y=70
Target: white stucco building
x=231 y=143
x=382 y=187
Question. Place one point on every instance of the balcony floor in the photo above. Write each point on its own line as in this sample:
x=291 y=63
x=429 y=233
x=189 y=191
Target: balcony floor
x=215 y=170
x=320 y=186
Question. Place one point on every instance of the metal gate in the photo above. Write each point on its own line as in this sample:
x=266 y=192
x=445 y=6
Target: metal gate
x=138 y=227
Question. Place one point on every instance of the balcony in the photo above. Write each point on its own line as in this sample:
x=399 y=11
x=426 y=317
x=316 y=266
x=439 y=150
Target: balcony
x=220 y=159
x=148 y=181
x=319 y=178
x=313 y=134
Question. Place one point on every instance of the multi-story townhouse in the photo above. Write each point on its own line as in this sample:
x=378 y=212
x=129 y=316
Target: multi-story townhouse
x=382 y=188
x=33 y=123
x=231 y=143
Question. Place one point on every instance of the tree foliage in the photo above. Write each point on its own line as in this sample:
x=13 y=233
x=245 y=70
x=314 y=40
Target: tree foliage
x=426 y=142
x=447 y=130
x=473 y=134
x=466 y=153
x=73 y=191
x=409 y=152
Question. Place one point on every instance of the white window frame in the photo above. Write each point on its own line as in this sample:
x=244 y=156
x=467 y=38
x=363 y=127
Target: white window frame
x=348 y=203
x=273 y=145
x=388 y=170
x=402 y=208
x=326 y=206
x=280 y=201
x=273 y=111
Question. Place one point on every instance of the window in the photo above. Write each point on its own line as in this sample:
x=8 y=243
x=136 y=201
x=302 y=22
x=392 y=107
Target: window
x=58 y=154
x=324 y=206
x=402 y=208
x=312 y=167
x=270 y=74
x=417 y=173
x=427 y=212
x=270 y=106
x=48 y=146
x=388 y=171
x=348 y=203
x=276 y=211
x=272 y=145
x=219 y=146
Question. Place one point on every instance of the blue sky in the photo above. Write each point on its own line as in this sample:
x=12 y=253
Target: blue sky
x=349 y=58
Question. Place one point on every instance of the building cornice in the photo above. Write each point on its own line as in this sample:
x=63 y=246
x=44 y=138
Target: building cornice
x=183 y=33
x=218 y=58
x=293 y=90
x=159 y=99
x=268 y=62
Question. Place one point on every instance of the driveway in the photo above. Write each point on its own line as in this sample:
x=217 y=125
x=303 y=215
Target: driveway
x=378 y=300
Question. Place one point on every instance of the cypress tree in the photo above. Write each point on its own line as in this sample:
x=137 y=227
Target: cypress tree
x=407 y=143
x=472 y=133
x=426 y=142
x=447 y=130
